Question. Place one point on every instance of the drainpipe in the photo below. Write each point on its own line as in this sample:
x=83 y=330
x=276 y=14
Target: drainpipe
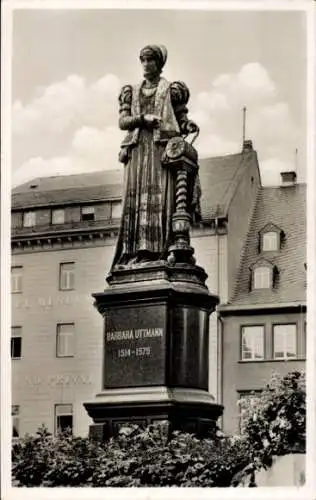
x=220 y=330
x=219 y=321
x=217 y=258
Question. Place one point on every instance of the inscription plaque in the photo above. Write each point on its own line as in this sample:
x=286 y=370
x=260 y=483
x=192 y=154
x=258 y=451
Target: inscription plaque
x=135 y=346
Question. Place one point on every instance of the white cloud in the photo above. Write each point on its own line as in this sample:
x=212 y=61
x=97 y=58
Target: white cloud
x=40 y=167
x=214 y=145
x=213 y=101
x=268 y=120
x=69 y=103
x=254 y=77
x=91 y=149
x=81 y=118
x=271 y=169
x=252 y=84
x=96 y=148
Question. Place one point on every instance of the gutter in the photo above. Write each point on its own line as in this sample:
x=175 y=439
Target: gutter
x=231 y=310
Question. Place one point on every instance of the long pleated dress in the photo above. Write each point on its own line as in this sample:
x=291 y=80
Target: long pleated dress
x=149 y=187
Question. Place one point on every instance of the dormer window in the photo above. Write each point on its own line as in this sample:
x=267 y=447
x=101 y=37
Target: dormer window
x=264 y=275
x=270 y=241
x=271 y=238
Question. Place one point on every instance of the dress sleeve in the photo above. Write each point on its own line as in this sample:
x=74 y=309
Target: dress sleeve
x=125 y=98
x=126 y=120
x=180 y=95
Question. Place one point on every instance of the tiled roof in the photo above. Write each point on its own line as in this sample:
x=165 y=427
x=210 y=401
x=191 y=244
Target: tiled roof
x=59 y=190
x=286 y=208
x=218 y=176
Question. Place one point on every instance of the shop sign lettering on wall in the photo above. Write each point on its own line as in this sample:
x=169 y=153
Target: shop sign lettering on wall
x=58 y=379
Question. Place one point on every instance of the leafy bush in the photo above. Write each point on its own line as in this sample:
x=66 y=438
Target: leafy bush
x=136 y=457
x=273 y=424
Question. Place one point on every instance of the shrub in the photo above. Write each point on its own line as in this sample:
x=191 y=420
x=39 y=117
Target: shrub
x=135 y=457
x=273 y=424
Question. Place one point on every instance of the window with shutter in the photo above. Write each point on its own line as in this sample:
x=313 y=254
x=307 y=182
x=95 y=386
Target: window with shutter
x=116 y=209
x=29 y=219
x=58 y=216
x=16 y=219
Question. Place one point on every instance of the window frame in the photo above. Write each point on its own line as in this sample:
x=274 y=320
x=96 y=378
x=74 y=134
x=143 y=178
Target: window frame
x=17 y=289
x=12 y=341
x=54 y=210
x=304 y=340
x=68 y=272
x=16 y=219
x=58 y=405
x=255 y=270
x=67 y=335
x=277 y=240
x=92 y=212
x=25 y=214
x=252 y=359
x=116 y=202
x=285 y=358
x=270 y=228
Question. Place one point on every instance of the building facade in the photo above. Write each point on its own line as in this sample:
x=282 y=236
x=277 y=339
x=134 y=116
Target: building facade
x=263 y=325
x=64 y=231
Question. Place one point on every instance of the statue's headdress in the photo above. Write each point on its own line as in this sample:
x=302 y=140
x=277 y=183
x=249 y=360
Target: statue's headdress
x=158 y=51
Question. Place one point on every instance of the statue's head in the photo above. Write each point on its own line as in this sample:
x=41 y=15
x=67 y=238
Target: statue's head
x=153 y=58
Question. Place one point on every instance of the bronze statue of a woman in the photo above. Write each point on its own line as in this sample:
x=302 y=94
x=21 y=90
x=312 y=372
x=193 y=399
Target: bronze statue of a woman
x=152 y=112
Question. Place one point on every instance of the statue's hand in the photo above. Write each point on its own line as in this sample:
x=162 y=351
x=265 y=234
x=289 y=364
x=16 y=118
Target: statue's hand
x=191 y=127
x=152 y=121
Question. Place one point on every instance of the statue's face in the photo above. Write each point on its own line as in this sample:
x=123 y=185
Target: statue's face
x=150 y=66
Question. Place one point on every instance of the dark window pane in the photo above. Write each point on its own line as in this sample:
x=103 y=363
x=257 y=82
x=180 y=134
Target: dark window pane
x=64 y=422
x=16 y=347
x=87 y=213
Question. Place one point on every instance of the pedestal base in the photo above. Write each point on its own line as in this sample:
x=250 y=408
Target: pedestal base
x=156 y=328
x=192 y=411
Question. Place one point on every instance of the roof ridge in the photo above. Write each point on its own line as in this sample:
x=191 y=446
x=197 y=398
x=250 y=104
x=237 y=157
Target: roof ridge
x=53 y=178
x=220 y=156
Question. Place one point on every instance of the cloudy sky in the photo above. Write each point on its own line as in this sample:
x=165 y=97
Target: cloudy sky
x=68 y=67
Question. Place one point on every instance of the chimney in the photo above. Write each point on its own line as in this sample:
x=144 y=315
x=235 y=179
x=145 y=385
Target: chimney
x=247 y=146
x=288 y=178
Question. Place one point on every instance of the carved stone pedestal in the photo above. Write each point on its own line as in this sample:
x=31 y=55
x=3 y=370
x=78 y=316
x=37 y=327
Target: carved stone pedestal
x=156 y=327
